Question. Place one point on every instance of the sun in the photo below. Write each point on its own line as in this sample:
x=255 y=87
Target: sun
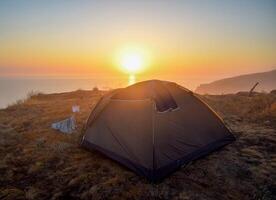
x=132 y=60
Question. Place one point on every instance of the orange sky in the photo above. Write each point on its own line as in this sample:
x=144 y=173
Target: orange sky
x=83 y=38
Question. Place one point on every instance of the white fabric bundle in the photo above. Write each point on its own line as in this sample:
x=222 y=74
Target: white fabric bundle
x=66 y=125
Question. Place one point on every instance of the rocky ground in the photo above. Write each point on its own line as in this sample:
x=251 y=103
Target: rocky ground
x=37 y=162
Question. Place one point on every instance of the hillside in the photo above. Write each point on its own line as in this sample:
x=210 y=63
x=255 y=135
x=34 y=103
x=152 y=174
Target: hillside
x=267 y=82
x=37 y=162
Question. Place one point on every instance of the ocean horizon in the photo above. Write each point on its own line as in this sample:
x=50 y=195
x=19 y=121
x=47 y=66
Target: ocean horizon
x=18 y=88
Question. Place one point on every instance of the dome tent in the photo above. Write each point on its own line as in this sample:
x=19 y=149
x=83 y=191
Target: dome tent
x=154 y=127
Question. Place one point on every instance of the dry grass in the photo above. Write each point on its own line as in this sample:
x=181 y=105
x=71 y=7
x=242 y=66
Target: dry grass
x=261 y=108
x=37 y=162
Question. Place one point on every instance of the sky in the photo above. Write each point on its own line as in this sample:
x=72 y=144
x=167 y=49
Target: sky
x=84 y=38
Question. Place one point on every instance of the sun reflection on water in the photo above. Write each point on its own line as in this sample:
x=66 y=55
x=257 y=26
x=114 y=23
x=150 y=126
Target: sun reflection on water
x=131 y=79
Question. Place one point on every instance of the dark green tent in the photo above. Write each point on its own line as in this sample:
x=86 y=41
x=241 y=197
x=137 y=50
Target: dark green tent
x=154 y=127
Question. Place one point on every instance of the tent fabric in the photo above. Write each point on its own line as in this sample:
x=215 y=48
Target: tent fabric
x=154 y=127
x=154 y=90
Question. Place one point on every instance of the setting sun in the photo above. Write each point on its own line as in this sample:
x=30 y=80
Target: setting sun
x=132 y=62
x=132 y=59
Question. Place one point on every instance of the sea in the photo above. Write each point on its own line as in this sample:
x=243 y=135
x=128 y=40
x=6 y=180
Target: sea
x=18 y=88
